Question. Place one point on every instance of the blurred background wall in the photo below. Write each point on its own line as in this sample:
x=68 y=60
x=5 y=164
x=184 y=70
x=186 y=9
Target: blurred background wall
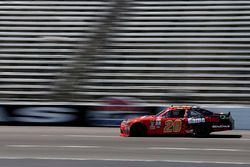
x=160 y=51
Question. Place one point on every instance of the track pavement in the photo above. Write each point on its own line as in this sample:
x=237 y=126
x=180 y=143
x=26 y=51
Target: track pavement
x=92 y=146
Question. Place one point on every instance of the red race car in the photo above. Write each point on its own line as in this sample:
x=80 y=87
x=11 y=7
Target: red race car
x=178 y=120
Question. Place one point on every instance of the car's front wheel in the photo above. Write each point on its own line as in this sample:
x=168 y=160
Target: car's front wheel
x=138 y=130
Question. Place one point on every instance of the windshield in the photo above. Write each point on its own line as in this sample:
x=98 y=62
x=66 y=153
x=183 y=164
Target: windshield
x=159 y=113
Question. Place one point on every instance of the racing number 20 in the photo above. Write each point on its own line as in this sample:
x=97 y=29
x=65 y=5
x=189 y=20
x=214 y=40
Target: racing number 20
x=172 y=126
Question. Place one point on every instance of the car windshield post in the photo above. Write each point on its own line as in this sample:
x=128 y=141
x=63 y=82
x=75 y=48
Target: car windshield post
x=159 y=113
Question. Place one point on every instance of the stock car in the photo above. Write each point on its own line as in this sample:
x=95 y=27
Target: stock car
x=178 y=120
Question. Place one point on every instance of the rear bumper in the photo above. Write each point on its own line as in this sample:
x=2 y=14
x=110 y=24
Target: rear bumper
x=225 y=125
x=232 y=123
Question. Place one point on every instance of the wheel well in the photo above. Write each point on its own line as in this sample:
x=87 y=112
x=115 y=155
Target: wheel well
x=138 y=129
x=207 y=125
x=206 y=129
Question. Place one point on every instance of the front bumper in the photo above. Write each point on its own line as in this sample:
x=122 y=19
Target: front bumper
x=124 y=130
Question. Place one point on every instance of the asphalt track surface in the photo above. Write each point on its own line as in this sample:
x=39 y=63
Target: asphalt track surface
x=103 y=147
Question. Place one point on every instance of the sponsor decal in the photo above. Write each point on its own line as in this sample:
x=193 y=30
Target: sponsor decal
x=38 y=114
x=155 y=123
x=44 y=114
x=222 y=116
x=152 y=125
x=158 y=122
x=196 y=120
x=220 y=126
x=213 y=119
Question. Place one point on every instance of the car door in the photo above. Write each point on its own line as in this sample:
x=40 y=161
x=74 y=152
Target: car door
x=172 y=122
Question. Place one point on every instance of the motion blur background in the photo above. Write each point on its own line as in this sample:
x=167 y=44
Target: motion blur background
x=158 y=51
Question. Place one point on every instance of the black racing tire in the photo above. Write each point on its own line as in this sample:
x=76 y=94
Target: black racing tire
x=202 y=130
x=138 y=130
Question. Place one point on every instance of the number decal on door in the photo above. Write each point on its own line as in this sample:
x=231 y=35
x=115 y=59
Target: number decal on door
x=168 y=126
x=172 y=126
x=177 y=126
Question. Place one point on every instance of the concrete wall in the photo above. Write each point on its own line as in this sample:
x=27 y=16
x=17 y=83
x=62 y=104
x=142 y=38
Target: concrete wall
x=241 y=115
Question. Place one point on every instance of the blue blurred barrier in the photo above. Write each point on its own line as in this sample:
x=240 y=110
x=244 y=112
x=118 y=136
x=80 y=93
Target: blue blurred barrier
x=102 y=115
x=42 y=115
x=65 y=115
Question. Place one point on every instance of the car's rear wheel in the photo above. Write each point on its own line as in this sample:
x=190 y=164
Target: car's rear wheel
x=138 y=130
x=202 y=131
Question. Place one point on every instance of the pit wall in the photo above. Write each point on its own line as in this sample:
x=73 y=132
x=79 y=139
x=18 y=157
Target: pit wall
x=85 y=115
x=241 y=115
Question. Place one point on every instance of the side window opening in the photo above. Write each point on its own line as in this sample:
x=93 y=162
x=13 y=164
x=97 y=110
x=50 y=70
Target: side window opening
x=194 y=114
x=179 y=113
